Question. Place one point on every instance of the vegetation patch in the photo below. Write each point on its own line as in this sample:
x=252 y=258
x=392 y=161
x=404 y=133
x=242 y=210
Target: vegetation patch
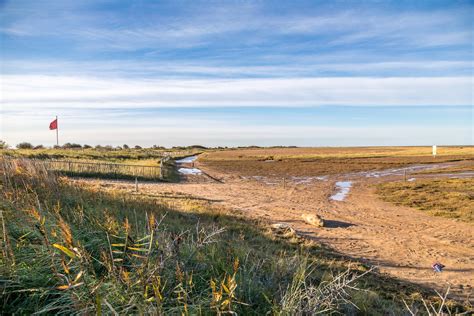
x=282 y=162
x=453 y=198
x=275 y=153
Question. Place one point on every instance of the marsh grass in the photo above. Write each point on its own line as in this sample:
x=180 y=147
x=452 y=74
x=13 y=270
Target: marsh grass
x=338 y=152
x=73 y=249
x=326 y=161
x=452 y=198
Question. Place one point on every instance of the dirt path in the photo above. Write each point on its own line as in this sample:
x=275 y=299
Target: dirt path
x=404 y=242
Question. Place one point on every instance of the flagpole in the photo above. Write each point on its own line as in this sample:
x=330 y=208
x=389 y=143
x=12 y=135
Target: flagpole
x=57 y=131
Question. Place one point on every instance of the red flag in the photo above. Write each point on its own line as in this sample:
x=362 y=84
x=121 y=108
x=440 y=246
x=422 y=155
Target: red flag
x=53 y=124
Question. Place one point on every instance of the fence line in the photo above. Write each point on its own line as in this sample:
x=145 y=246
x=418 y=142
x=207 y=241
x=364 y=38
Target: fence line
x=104 y=169
x=90 y=163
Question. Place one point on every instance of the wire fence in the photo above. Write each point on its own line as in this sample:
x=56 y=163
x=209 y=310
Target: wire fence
x=100 y=169
x=112 y=170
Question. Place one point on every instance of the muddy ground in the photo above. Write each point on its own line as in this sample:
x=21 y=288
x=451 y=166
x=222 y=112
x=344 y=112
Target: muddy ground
x=401 y=241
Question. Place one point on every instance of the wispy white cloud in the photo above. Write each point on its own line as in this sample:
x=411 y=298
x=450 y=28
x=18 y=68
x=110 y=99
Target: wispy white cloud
x=421 y=29
x=245 y=23
x=189 y=69
x=46 y=91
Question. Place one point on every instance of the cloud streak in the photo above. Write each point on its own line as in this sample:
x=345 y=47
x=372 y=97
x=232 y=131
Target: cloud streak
x=226 y=24
x=23 y=91
x=325 y=66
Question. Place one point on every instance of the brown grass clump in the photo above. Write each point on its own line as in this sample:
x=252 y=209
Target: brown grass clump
x=453 y=198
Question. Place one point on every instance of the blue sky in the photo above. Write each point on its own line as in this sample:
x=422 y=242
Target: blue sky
x=306 y=73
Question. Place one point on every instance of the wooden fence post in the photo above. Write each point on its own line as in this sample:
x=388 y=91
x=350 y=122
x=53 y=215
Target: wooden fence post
x=161 y=168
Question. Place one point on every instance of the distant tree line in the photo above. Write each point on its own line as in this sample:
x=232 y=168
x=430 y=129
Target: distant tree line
x=26 y=145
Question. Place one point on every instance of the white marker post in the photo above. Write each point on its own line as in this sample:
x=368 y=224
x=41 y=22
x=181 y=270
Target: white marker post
x=434 y=151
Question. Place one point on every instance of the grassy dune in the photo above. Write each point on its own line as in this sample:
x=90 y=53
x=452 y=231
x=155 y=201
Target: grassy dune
x=452 y=198
x=76 y=249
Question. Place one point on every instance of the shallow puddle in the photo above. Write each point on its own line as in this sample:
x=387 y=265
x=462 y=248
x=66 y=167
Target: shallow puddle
x=343 y=188
x=307 y=180
x=187 y=159
x=189 y=171
x=459 y=175
x=400 y=171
